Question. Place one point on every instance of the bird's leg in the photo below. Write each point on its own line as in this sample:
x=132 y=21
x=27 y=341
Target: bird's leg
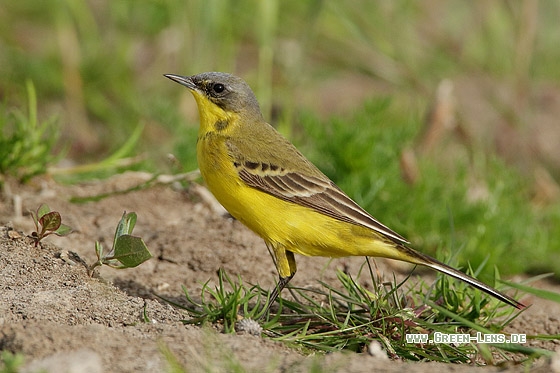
x=286 y=264
x=282 y=282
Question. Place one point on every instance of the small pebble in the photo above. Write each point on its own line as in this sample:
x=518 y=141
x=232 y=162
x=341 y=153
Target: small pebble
x=375 y=350
x=14 y=235
x=67 y=257
x=248 y=326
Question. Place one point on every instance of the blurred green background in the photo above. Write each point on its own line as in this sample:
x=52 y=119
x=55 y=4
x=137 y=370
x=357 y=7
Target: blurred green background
x=439 y=117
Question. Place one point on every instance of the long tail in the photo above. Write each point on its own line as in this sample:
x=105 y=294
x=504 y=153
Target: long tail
x=416 y=257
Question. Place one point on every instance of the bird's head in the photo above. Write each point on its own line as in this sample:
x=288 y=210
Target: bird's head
x=221 y=98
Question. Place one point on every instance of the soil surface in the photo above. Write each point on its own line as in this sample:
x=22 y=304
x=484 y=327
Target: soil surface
x=62 y=320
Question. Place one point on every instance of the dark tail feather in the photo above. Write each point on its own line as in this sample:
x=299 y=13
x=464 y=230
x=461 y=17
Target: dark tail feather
x=418 y=258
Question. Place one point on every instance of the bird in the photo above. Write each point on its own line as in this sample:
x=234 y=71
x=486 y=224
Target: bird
x=267 y=184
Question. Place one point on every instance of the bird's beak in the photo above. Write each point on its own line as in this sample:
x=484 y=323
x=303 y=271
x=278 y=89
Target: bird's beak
x=183 y=80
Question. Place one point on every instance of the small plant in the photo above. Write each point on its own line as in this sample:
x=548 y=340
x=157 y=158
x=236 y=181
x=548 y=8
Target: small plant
x=48 y=222
x=25 y=142
x=9 y=362
x=127 y=252
x=222 y=305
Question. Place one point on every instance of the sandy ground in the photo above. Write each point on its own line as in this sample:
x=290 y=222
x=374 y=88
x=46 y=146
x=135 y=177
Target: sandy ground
x=63 y=320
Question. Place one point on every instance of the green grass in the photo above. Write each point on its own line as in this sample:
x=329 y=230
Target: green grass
x=26 y=143
x=361 y=309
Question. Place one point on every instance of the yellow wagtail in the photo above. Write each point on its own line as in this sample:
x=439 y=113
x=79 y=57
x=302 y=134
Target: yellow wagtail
x=268 y=185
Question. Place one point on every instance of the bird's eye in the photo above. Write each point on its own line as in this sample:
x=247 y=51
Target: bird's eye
x=218 y=87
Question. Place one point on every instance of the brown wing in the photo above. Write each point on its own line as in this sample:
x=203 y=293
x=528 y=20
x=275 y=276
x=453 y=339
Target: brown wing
x=317 y=193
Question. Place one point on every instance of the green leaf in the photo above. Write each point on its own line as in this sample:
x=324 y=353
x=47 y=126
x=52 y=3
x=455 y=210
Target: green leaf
x=131 y=251
x=50 y=221
x=63 y=230
x=43 y=210
x=125 y=226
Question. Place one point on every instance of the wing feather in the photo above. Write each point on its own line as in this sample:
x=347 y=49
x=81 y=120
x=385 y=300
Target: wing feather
x=319 y=194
